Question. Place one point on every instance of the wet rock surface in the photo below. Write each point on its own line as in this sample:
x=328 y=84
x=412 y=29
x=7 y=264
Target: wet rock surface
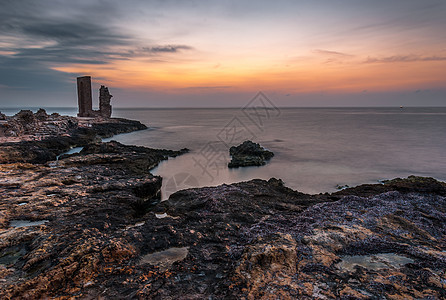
x=254 y=240
x=38 y=137
x=62 y=223
x=248 y=154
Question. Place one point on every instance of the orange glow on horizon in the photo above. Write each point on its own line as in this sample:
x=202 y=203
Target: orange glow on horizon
x=312 y=74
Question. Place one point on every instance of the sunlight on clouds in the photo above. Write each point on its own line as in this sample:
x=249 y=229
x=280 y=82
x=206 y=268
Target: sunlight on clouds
x=180 y=48
x=314 y=73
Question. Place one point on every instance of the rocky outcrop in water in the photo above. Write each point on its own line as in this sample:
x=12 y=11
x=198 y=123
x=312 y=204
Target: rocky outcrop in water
x=248 y=154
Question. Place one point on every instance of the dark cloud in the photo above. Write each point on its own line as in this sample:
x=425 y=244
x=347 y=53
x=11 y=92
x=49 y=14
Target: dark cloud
x=421 y=91
x=39 y=35
x=75 y=33
x=404 y=58
x=166 y=48
x=33 y=75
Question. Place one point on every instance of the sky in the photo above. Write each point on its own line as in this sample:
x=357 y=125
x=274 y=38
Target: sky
x=221 y=53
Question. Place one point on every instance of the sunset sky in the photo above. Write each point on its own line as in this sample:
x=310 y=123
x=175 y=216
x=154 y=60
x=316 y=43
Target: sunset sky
x=221 y=53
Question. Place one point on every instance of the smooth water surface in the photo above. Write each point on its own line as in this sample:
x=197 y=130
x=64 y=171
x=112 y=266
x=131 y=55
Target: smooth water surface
x=315 y=149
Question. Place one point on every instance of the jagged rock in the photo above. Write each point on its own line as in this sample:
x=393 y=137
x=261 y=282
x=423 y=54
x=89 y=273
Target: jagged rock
x=2 y=116
x=248 y=154
x=41 y=115
x=24 y=122
x=25 y=115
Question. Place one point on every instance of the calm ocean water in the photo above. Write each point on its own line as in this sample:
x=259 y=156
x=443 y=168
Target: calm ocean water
x=315 y=149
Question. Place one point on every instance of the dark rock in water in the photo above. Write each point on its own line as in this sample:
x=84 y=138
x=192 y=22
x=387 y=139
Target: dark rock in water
x=115 y=126
x=2 y=116
x=248 y=154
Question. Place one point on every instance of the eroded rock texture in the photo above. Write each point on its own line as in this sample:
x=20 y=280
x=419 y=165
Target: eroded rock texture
x=38 y=138
x=252 y=240
x=63 y=224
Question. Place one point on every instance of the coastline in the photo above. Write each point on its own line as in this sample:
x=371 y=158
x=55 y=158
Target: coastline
x=103 y=231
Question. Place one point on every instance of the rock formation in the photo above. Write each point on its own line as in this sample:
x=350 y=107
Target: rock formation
x=85 y=99
x=248 y=154
x=38 y=138
x=41 y=115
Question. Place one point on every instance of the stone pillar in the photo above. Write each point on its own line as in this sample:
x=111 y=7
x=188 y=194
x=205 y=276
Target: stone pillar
x=105 y=109
x=84 y=96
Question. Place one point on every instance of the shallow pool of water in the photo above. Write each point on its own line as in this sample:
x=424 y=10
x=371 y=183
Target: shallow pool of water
x=26 y=223
x=165 y=258
x=373 y=262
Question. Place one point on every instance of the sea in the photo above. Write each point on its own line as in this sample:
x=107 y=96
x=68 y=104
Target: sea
x=316 y=150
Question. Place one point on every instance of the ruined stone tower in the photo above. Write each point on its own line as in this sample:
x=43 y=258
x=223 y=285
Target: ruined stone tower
x=105 y=108
x=85 y=99
x=84 y=96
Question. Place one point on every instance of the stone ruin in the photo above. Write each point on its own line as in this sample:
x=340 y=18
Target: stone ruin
x=85 y=101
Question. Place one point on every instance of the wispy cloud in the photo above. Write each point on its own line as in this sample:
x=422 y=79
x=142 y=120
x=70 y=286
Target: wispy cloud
x=330 y=56
x=204 y=88
x=331 y=53
x=404 y=58
x=166 y=48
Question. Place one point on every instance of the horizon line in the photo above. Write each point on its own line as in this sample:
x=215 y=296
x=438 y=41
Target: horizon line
x=221 y=107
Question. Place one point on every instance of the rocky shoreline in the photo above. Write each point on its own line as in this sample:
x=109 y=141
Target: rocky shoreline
x=38 y=137
x=93 y=226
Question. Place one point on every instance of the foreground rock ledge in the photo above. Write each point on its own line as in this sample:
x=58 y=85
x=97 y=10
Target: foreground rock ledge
x=101 y=233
